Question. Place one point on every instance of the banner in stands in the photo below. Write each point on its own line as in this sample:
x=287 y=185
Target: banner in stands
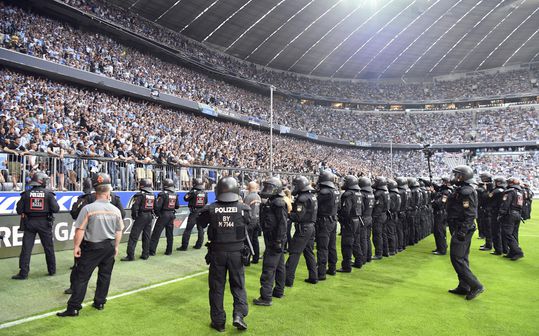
x=63 y=231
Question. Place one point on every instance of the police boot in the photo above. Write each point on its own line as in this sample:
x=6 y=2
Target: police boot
x=68 y=313
x=239 y=323
x=19 y=276
x=127 y=258
x=261 y=302
x=218 y=327
x=68 y=291
x=474 y=293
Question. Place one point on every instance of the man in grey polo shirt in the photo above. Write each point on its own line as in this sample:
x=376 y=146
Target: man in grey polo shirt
x=98 y=233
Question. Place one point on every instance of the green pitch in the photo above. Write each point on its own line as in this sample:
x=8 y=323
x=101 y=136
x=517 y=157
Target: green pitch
x=402 y=295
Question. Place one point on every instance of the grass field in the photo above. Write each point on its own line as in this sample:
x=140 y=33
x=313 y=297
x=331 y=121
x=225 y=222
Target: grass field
x=402 y=295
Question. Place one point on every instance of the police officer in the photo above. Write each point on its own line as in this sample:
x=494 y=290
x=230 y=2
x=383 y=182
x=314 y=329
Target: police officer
x=228 y=220
x=413 y=214
x=402 y=227
x=379 y=217
x=98 y=233
x=350 y=213
x=495 y=202
x=165 y=209
x=142 y=214
x=483 y=213
x=367 y=196
x=273 y=220
x=510 y=217
x=392 y=222
x=528 y=198
x=253 y=200
x=304 y=211
x=36 y=207
x=326 y=224
x=196 y=199
x=440 y=216
x=461 y=213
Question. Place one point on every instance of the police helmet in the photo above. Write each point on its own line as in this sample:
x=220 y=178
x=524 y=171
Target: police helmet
x=446 y=180
x=463 y=173
x=513 y=181
x=364 y=183
x=38 y=180
x=198 y=183
x=326 y=178
x=500 y=181
x=402 y=182
x=272 y=187
x=168 y=184
x=100 y=179
x=485 y=177
x=227 y=189
x=380 y=182
x=87 y=185
x=301 y=183
x=350 y=183
x=392 y=185
x=145 y=184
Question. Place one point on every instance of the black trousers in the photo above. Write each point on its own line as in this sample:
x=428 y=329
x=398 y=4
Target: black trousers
x=254 y=232
x=411 y=219
x=399 y=231
x=191 y=222
x=390 y=242
x=496 y=234
x=273 y=272
x=365 y=237
x=288 y=233
x=326 y=245
x=220 y=264
x=440 y=231
x=378 y=228
x=350 y=243
x=459 y=253
x=101 y=256
x=143 y=224
x=165 y=221
x=485 y=220
x=510 y=226
x=43 y=228
x=302 y=242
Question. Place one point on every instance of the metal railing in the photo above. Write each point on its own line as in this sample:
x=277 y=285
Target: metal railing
x=68 y=172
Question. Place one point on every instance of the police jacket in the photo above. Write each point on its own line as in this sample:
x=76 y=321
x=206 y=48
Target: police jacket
x=37 y=202
x=415 y=199
x=167 y=201
x=304 y=208
x=462 y=207
x=482 y=198
x=512 y=200
x=143 y=204
x=368 y=203
x=196 y=199
x=273 y=219
x=405 y=196
x=527 y=208
x=227 y=223
x=381 y=203
x=439 y=202
x=351 y=206
x=88 y=198
x=328 y=201
x=495 y=199
x=395 y=202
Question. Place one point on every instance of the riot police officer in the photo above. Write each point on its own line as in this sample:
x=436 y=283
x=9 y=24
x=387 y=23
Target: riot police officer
x=483 y=213
x=326 y=224
x=379 y=217
x=402 y=226
x=392 y=222
x=528 y=199
x=495 y=202
x=440 y=216
x=304 y=210
x=227 y=220
x=273 y=220
x=510 y=217
x=196 y=199
x=415 y=202
x=350 y=213
x=165 y=209
x=142 y=213
x=367 y=196
x=36 y=207
x=461 y=213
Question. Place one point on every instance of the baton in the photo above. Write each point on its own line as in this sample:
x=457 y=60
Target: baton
x=249 y=241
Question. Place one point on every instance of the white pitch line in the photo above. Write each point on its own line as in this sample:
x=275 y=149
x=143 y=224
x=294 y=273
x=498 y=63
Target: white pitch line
x=38 y=317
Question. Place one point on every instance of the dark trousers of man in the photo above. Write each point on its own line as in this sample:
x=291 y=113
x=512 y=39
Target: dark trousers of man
x=164 y=221
x=510 y=226
x=485 y=220
x=288 y=234
x=399 y=232
x=459 y=252
x=220 y=263
x=273 y=272
x=302 y=242
x=191 y=222
x=410 y=221
x=422 y=229
x=42 y=227
x=366 y=245
x=391 y=233
x=496 y=234
x=440 y=231
x=326 y=248
x=143 y=224
x=100 y=255
x=378 y=224
x=254 y=232
x=350 y=242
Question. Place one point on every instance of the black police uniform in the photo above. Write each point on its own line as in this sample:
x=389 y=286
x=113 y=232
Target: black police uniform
x=440 y=218
x=483 y=214
x=510 y=217
x=495 y=202
x=273 y=220
x=402 y=226
x=528 y=199
x=196 y=199
x=413 y=215
x=379 y=221
x=142 y=214
x=461 y=213
x=304 y=210
x=165 y=209
x=227 y=223
x=350 y=212
x=423 y=220
x=366 y=227
x=326 y=230
x=36 y=207
x=392 y=222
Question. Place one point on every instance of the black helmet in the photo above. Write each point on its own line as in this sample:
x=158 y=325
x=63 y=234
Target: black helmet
x=38 y=180
x=402 y=182
x=350 y=183
x=168 y=184
x=198 y=183
x=446 y=180
x=513 y=181
x=500 y=181
x=485 y=177
x=145 y=184
x=380 y=183
x=227 y=189
x=364 y=183
x=463 y=174
x=412 y=182
x=100 y=179
x=327 y=178
x=272 y=187
x=424 y=182
x=392 y=185
x=87 y=185
x=301 y=183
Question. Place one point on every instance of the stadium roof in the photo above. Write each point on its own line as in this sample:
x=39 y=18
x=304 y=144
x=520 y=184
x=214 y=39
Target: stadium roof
x=365 y=39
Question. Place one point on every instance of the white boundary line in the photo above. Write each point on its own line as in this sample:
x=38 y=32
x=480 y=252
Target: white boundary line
x=38 y=317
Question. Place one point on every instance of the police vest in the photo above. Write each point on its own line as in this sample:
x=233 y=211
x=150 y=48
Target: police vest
x=197 y=199
x=368 y=203
x=35 y=202
x=227 y=223
x=328 y=203
x=357 y=201
x=404 y=194
x=308 y=205
x=381 y=204
x=395 y=201
x=147 y=202
x=268 y=218
x=169 y=201
x=518 y=200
